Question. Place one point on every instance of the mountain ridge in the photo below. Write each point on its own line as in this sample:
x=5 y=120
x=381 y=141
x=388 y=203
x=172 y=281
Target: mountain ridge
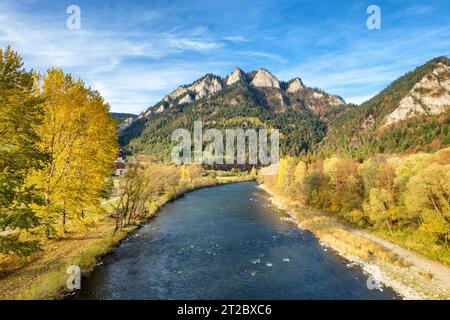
x=262 y=78
x=309 y=119
x=378 y=125
x=252 y=100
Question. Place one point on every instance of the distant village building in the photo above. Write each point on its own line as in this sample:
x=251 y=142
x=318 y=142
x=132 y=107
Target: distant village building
x=120 y=160
x=120 y=172
x=121 y=165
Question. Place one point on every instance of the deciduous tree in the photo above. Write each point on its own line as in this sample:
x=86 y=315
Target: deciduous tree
x=20 y=114
x=80 y=137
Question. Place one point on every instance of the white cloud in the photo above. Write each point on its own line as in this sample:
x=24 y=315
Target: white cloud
x=194 y=44
x=134 y=89
x=236 y=39
x=135 y=61
x=102 y=58
x=359 y=99
x=362 y=69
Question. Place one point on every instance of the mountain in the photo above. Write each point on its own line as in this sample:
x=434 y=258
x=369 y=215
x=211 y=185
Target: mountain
x=246 y=100
x=412 y=114
x=123 y=119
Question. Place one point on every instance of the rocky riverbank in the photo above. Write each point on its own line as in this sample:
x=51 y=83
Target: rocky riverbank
x=409 y=274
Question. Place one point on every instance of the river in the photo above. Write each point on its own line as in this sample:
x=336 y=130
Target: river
x=225 y=242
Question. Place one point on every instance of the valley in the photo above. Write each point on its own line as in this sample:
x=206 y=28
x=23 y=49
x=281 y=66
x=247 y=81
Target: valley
x=80 y=182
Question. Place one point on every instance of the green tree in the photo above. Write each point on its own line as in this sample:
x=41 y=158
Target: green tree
x=20 y=114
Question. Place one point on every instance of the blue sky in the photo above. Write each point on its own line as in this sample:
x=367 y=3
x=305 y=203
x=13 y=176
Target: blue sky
x=135 y=52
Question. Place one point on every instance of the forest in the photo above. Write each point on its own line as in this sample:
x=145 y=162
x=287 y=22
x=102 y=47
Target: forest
x=405 y=199
x=350 y=134
x=58 y=144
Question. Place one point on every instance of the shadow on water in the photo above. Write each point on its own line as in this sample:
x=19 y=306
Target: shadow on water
x=225 y=242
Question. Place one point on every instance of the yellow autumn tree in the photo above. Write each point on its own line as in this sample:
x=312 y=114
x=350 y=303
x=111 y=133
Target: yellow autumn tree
x=369 y=172
x=330 y=167
x=254 y=172
x=190 y=174
x=428 y=198
x=80 y=137
x=285 y=176
x=299 y=177
x=381 y=208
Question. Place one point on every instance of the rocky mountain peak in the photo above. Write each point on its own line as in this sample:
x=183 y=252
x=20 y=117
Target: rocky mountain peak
x=186 y=99
x=236 y=76
x=295 y=96
x=295 y=85
x=264 y=79
x=430 y=96
x=199 y=89
x=177 y=93
x=207 y=85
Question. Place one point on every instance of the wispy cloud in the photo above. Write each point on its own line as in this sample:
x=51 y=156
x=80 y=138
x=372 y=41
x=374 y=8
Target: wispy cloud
x=102 y=58
x=133 y=89
x=194 y=44
x=137 y=52
x=361 y=69
x=236 y=39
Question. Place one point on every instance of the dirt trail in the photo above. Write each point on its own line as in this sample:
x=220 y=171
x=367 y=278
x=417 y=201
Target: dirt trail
x=439 y=271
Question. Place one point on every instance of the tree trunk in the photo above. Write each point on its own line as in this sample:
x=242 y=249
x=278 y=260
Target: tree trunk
x=64 y=222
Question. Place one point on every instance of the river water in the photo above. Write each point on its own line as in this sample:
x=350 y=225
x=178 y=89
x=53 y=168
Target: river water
x=225 y=242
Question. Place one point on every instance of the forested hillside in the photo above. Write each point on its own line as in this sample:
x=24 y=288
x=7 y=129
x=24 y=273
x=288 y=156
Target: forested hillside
x=410 y=115
x=238 y=101
x=121 y=117
x=364 y=130
x=380 y=194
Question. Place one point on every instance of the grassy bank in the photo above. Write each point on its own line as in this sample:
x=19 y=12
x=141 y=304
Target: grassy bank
x=44 y=275
x=398 y=269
